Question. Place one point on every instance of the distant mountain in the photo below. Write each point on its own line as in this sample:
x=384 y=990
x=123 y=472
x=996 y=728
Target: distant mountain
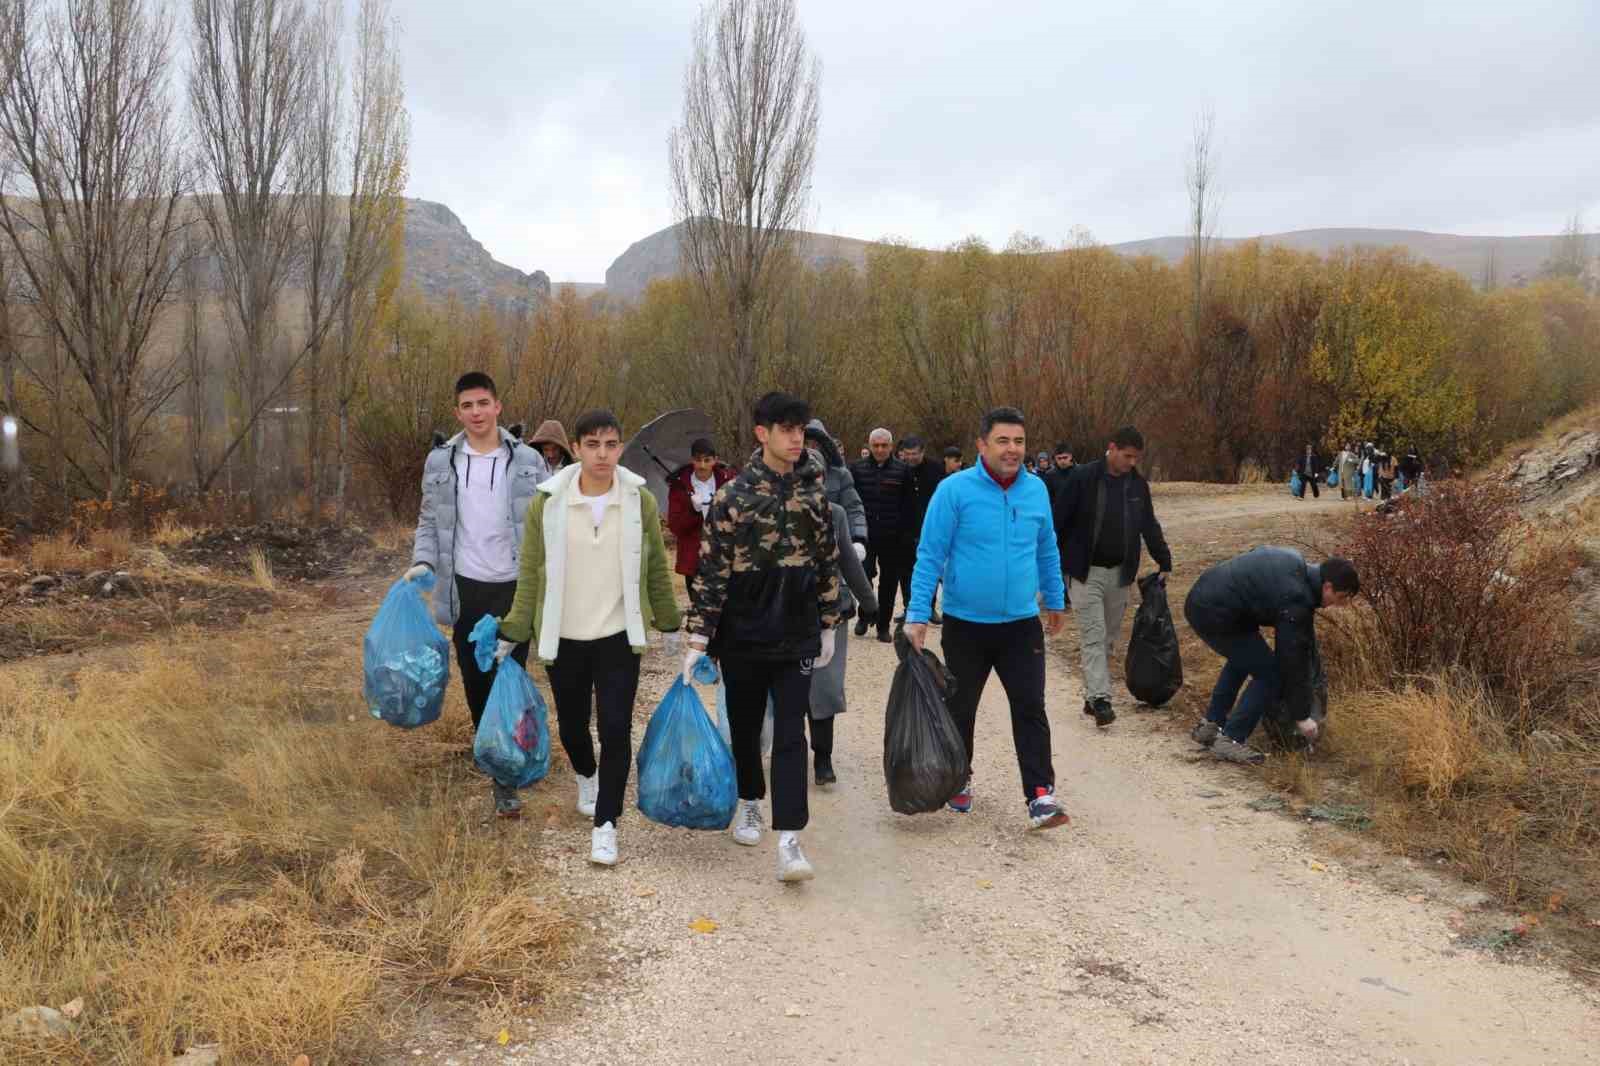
x=443 y=259
x=657 y=256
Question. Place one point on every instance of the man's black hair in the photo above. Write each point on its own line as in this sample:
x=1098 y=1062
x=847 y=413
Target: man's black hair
x=912 y=442
x=591 y=422
x=952 y=452
x=1128 y=437
x=781 y=409
x=1341 y=574
x=1001 y=416
x=702 y=446
x=1062 y=448
x=476 y=379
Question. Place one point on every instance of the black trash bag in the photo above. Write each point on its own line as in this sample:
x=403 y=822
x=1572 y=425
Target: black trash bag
x=1153 y=667
x=1280 y=731
x=924 y=757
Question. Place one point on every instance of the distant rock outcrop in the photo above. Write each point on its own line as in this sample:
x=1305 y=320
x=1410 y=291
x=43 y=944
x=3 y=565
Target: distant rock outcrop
x=659 y=256
x=443 y=259
x=1557 y=477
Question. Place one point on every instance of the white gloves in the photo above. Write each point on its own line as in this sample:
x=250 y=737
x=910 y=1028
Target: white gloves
x=673 y=642
x=1308 y=728
x=416 y=571
x=502 y=648
x=861 y=550
x=690 y=657
x=825 y=656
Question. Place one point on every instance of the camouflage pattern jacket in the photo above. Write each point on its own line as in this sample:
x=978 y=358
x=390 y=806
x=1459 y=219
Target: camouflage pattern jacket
x=768 y=582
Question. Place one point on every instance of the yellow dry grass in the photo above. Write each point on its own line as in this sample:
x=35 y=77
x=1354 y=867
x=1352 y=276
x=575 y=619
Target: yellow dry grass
x=393 y=537
x=170 y=531
x=219 y=845
x=261 y=570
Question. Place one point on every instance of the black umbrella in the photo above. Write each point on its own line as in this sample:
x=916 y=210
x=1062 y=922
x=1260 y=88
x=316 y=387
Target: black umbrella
x=658 y=450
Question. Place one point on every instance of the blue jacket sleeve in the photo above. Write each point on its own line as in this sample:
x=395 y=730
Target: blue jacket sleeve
x=1049 y=557
x=933 y=551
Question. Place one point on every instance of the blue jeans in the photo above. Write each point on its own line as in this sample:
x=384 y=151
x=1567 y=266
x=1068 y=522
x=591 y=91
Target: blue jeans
x=1248 y=656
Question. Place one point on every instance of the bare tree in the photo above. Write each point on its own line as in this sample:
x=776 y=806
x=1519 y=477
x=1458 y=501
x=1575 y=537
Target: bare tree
x=1570 y=255
x=249 y=88
x=319 y=150
x=196 y=357
x=741 y=163
x=93 y=176
x=1204 y=206
x=378 y=145
x=1491 y=270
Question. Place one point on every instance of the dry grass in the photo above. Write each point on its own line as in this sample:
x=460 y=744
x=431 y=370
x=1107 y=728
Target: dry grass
x=393 y=537
x=171 y=531
x=261 y=570
x=220 y=845
x=103 y=549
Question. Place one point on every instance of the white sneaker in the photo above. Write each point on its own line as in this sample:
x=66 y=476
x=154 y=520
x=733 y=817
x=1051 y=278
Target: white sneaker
x=747 y=823
x=588 y=792
x=603 y=845
x=792 y=864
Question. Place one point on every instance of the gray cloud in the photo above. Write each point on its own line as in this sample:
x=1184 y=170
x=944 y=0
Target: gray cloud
x=544 y=126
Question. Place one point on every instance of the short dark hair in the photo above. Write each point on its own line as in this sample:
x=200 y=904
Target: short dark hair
x=1001 y=416
x=702 y=446
x=476 y=379
x=1062 y=448
x=913 y=441
x=781 y=409
x=1128 y=437
x=952 y=452
x=592 y=422
x=1341 y=574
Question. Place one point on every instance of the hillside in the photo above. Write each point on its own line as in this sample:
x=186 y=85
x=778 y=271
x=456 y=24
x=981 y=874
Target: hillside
x=443 y=259
x=656 y=256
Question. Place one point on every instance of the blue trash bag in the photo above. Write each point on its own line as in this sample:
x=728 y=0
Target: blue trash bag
x=405 y=660
x=1333 y=479
x=686 y=775
x=705 y=671
x=1296 y=488
x=483 y=638
x=1371 y=484
x=513 y=741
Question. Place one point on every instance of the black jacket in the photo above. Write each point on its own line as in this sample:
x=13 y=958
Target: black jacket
x=886 y=492
x=925 y=477
x=1265 y=587
x=1078 y=506
x=1316 y=467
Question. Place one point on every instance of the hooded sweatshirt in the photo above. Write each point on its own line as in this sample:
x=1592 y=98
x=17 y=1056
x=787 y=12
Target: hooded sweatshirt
x=837 y=482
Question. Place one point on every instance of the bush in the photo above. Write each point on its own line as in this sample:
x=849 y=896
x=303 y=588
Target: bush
x=1458 y=580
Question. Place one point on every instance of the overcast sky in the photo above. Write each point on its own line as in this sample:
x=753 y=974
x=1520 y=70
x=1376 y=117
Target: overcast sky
x=544 y=124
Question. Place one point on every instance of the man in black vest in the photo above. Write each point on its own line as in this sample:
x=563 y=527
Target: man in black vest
x=884 y=483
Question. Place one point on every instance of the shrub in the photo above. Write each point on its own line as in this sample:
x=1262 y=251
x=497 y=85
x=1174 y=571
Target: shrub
x=1457 y=579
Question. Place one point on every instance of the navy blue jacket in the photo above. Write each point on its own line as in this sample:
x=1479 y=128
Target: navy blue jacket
x=1079 y=504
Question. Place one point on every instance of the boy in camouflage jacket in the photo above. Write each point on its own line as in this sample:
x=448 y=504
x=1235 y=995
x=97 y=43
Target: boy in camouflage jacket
x=765 y=602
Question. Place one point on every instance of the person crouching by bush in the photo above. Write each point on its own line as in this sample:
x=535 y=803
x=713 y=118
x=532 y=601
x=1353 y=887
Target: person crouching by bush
x=1227 y=607
x=476 y=488
x=689 y=494
x=594 y=577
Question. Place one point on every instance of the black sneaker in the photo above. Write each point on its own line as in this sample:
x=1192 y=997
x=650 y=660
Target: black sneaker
x=1088 y=708
x=884 y=637
x=506 y=803
x=861 y=627
x=1103 y=714
x=825 y=774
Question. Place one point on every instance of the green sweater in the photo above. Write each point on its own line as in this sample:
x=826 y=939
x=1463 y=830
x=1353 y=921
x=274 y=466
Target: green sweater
x=656 y=600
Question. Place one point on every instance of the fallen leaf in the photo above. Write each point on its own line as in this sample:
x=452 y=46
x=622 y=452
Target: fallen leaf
x=301 y=1060
x=795 y=1012
x=1319 y=867
x=703 y=925
x=504 y=1038
x=1416 y=899
x=1555 y=901
x=71 y=1011
x=985 y=884
x=644 y=893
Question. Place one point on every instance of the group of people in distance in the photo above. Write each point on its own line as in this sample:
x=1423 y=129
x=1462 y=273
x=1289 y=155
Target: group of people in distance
x=1364 y=470
x=564 y=547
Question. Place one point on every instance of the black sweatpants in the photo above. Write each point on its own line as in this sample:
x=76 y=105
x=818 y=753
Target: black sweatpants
x=894 y=574
x=599 y=679
x=748 y=682
x=478 y=598
x=822 y=736
x=1015 y=651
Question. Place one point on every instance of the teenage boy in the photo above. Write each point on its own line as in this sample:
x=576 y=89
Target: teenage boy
x=594 y=577
x=765 y=601
x=1103 y=511
x=689 y=493
x=952 y=460
x=988 y=535
x=476 y=487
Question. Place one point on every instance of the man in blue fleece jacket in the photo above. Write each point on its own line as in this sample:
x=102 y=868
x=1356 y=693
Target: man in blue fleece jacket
x=989 y=537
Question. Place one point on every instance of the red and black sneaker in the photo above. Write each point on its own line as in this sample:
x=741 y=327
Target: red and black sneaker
x=1043 y=810
x=961 y=802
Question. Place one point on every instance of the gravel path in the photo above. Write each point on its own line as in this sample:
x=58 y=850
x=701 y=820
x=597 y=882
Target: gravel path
x=1169 y=923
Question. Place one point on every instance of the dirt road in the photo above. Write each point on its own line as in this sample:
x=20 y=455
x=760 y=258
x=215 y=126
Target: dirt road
x=1170 y=922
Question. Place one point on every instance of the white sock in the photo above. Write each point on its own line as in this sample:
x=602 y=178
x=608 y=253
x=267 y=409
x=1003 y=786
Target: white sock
x=788 y=837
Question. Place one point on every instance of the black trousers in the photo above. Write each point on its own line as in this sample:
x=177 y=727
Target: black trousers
x=894 y=576
x=599 y=679
x=749 y=681
x=822 y=736
x=478 y=598
x=1015 y=651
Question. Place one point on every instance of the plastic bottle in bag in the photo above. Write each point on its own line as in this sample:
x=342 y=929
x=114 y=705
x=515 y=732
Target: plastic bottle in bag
x=405 y=660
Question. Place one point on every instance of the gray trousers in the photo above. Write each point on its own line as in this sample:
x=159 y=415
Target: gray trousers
x=1098 y=604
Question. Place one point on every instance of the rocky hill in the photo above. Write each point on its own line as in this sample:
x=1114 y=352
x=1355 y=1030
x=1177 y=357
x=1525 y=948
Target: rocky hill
x=443 y=259
x=656 y=256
